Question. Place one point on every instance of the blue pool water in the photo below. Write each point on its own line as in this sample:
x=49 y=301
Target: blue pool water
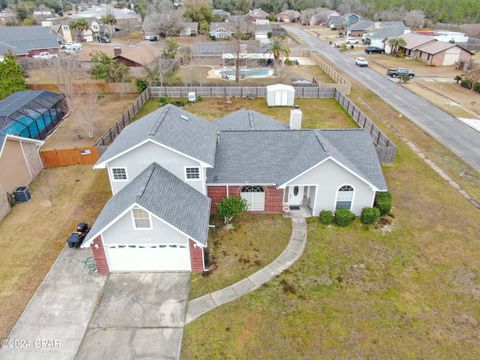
x=251 y=73
x=30 y=128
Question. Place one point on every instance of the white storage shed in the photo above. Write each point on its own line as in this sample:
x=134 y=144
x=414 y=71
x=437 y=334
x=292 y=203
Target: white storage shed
x=280 y=95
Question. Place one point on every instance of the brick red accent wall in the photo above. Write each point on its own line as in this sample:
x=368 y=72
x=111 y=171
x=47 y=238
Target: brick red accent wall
x=273 y=196
x=196 y=257
x=99 y=256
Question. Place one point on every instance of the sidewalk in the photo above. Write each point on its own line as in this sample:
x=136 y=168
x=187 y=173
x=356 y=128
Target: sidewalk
x=293 y=251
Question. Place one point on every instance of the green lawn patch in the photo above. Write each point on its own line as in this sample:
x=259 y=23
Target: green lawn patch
x=254 y=241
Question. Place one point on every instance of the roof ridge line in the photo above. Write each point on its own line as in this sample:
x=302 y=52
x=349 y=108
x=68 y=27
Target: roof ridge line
x=156 y=126
x=145 y=183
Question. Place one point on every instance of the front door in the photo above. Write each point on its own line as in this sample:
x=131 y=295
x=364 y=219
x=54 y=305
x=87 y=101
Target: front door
x=295 y=195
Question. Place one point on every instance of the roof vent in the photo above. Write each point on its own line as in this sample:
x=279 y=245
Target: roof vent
x=183 y=117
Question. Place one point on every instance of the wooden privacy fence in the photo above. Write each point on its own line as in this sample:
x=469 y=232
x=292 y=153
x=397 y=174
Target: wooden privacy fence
x=125 y=119
x=386 y=149
x=66 y=157
x=343 y=84
x=308 y=92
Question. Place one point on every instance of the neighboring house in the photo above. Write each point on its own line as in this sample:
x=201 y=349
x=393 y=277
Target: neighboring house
x=26 y=41
x=258 y=14
x=189 y=29
x=444 y=35
x=321 y=17
x=383 y=32
x=64 y=31
x=220 y=30
x=126 y=18
x=350 y=19
x=414 y=41
x=359 y=28
x=288 y=16
x=20 y=163
x=336 y=22
x=169 y=169
x=439 y=53
x=137 y=56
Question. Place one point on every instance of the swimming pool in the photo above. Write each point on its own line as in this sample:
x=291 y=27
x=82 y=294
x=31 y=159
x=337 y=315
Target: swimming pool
x=244 y=73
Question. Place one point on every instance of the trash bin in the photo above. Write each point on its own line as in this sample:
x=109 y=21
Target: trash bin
x=22 y=194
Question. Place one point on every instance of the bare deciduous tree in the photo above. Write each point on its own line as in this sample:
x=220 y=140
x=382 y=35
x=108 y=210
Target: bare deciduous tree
x=91 y=101
x=65 y=71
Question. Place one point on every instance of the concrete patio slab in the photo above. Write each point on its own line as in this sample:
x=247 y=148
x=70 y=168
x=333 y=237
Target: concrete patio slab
x=59 y=311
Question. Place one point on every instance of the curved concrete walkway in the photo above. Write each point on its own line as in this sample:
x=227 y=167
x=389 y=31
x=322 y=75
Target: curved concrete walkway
x=199 y=306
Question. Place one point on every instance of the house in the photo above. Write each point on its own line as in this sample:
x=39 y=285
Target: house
x=443 y=35
x=382 y=32
x=26 y=41
x=126 y=18
x=137 y=56
x=220 y=30
x=189 y=29
x=288 y=16
x=336 y=22
x=20 y=163
x=359 y=28
x=350 y=19
x=320 y=17
x=439 y=53
x=63 y=30
x=169 y=169
x=90 y=34
x=413 y=41
x=258 y=15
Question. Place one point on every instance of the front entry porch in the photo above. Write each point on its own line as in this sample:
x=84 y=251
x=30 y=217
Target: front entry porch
x=299 y=200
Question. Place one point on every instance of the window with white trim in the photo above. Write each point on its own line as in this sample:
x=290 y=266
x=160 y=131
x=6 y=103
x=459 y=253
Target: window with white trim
x=192 y=173
x=344 y=197
x=119 y=174
x=141 y=219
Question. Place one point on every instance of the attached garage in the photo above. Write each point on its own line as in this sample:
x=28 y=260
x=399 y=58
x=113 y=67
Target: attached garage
x=160 y=257
x=255 y=196
x=280 y=95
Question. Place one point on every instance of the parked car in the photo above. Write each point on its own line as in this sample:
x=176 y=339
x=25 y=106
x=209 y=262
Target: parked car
x=104 y=39
x=72 y=45
x=45 y=56
x=374 y=50
x=361 y=62
x=151 y=37
x=400 y=72
x=351 y=41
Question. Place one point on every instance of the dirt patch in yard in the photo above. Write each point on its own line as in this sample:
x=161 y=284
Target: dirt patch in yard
x=73 y=131
x=34 y=233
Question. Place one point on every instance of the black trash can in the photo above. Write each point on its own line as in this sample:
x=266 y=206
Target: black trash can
x=22 y=194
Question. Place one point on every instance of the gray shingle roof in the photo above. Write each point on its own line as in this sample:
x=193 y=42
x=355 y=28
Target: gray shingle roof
x=390 y=29
x=276 y=156
x=164 y=195
x=21 y=39
x=170 y=126
x=248 y=120
x=361 y=25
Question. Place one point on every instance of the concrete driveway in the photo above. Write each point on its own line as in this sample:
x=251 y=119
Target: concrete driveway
x=139 y=316
x=54 y=322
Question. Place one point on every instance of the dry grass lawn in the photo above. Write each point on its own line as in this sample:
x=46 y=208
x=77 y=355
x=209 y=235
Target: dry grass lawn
x=34 y=233
x=253 y=242
x=73 y=131
x=317 y=113
x=408 y=289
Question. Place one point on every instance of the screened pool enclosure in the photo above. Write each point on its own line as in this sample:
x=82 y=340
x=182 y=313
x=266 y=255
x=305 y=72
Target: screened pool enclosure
x=32 y=114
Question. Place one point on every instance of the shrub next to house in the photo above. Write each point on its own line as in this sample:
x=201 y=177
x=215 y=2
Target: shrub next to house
x=383 y=201
x=344 y=217
x=326 y=217
x=370 y=215
x=231 y=206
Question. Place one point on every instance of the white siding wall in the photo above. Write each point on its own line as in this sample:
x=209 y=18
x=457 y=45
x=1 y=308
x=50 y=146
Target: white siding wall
x=122 y=232
x=329 y=177
x=139 y=159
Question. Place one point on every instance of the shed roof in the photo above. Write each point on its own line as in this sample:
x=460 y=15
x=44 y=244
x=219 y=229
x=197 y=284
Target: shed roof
x=280 y=87
x=165 y=196
x=170 y=126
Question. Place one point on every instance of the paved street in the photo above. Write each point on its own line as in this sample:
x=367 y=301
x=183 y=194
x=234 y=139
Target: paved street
x=457 y=136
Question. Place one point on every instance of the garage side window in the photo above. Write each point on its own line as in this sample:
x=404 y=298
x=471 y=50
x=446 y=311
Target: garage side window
x=344 y=197
x=192 y=173
x=119 y=174
x=141 y=219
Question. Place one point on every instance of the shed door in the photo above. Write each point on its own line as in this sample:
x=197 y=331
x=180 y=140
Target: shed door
x=255 y=196
x=150 y=257
x=281 y=98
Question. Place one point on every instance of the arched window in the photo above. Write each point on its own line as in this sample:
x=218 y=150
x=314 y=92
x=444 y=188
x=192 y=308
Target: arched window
x=252 y=189
x=344 y=197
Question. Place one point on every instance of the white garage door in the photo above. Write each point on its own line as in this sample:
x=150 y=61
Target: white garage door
x=148 y=257
x=255 y=196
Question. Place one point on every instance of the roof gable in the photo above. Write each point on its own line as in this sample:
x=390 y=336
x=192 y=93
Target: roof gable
x=164 y=196
x=171 y=127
